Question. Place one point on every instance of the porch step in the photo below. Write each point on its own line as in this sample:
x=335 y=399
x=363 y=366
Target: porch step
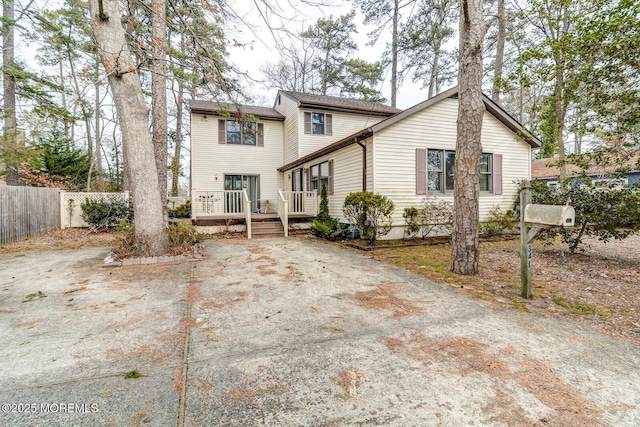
x=267 y=229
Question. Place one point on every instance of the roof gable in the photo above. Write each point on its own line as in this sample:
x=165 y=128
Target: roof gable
x=493 y=108
x=336 y=103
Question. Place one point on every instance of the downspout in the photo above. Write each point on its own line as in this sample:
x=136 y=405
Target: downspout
x=364 y=164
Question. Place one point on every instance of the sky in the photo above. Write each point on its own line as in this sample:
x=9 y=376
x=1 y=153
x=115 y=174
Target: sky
x=260 y=46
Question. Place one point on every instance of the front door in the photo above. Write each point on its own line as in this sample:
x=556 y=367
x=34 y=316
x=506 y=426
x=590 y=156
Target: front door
x=237 y=183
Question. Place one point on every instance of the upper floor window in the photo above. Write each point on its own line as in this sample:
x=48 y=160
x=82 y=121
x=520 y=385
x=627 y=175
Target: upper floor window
x=234 y=132
x=318 y=123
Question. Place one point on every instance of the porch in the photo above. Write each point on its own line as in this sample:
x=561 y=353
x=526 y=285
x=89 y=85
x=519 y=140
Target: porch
x=234 y=207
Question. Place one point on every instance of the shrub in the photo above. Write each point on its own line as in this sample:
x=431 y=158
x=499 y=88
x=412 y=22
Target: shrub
x=105 y=213
x=183 y=236
x=606 y=212
x=435 y=215
x=370 y=212
x=412 y=222
x=323 y=211
x=498 y=222
x=125 y=245
x=329 y=229
x=182 y=211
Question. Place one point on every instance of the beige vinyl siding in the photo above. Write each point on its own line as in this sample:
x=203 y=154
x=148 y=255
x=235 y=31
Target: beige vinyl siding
x=435 y=128
x=289 y=109
x=208 y=158
x=344 y=124
x=347 y=175
x=370 y=164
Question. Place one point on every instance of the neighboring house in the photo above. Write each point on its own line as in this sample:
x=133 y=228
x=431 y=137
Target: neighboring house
x=547 y=170
x=308 y=140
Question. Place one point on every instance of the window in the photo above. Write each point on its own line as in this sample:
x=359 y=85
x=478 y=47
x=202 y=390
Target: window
x=319 y=175
x=440 y=165
x=234 y=132
x=249 y=133
x=441 y=168
x=318 y=123
x=241 y=133
x=434 y=174
x=486 y=173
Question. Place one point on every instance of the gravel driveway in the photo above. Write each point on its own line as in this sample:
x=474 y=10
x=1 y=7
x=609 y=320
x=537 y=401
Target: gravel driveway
x=286 y=332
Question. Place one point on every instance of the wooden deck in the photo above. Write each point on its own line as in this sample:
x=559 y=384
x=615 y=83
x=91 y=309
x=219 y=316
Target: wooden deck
x=235 y=219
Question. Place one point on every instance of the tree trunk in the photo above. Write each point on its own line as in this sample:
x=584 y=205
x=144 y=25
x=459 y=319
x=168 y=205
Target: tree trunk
x=126 y=89
x=433 y=80
x=465 y=239
x=63 y=92
x=394 y=53
x=159 y=98
x=8 y=57
x=175 y=162
x=502 y=35
x=98 y=130
x=559 y=94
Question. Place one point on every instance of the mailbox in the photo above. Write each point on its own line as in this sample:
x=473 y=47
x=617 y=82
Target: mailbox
x=553 y=215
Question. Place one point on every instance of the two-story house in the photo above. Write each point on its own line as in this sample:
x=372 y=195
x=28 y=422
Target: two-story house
x=275 y=164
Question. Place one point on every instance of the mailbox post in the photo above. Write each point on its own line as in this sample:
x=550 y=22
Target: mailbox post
x=526 y=252
x=533 y=219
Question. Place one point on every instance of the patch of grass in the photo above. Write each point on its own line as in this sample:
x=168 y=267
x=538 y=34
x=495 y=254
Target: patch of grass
x=30 y=297
x=581 y=308
x=519 y=304
x=19 y=255
x=133 y=374
x=112 y=302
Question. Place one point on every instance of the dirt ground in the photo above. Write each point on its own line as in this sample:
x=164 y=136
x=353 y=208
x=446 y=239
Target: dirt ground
x=296 y=332
x=597 y=287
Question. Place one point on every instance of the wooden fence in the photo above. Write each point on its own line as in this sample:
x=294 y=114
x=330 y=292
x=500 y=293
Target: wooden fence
x=27 y=211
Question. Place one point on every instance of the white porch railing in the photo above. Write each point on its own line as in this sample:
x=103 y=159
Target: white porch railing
x=301 y=202
x=246 y=204
x=283 y=212
x=217 y=203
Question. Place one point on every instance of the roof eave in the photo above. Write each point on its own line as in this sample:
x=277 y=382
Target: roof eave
x=506 y=119
x=344 y=142
x=227 y=113
x=355 y=110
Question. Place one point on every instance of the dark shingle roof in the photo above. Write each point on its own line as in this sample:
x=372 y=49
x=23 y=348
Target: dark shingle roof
x=197 y=106
x=339 y=103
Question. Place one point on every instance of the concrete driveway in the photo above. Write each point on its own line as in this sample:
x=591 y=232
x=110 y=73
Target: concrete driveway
x=288 y=332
